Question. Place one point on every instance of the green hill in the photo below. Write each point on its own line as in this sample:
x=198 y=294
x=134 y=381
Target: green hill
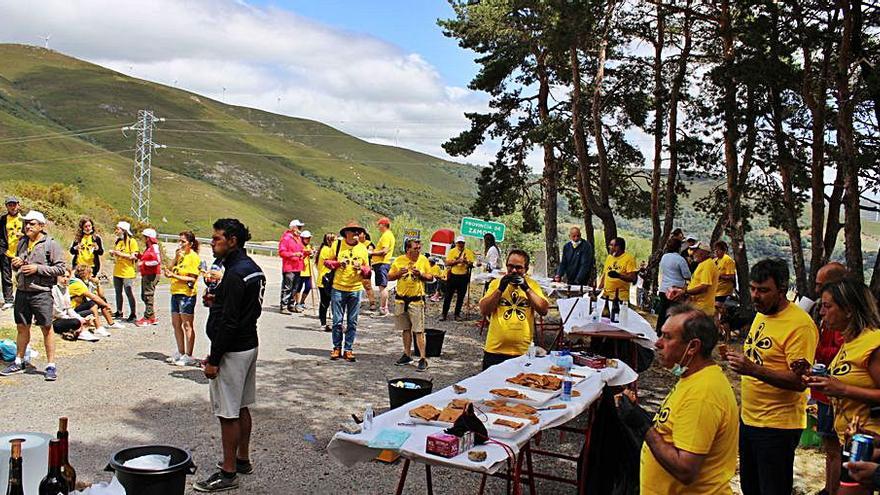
x=221 y=160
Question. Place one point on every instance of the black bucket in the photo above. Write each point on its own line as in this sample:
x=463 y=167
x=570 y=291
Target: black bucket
x=434 y=342
x=399 y=396
x=170 y=481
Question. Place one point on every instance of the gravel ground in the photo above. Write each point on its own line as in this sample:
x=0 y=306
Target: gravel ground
x=120 y=392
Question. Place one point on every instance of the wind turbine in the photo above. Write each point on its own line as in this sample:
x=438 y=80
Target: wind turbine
x=46 y=40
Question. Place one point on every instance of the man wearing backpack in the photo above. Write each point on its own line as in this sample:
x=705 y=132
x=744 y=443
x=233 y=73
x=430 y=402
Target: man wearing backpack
x=38 y=262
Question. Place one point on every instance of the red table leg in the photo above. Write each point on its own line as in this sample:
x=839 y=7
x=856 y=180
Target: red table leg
x=402 y=477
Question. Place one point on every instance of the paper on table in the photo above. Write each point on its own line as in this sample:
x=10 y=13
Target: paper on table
x=389 y=439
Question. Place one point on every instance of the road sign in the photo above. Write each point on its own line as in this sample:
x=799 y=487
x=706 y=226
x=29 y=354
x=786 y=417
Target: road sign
x=474 y=227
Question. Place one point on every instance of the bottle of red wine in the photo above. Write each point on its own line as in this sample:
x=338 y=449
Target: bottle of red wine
x=615 y=307
x=54 y=482
x=14 y=486
x=66 y=469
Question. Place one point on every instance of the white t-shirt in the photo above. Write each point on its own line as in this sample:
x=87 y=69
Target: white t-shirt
x=493 y=259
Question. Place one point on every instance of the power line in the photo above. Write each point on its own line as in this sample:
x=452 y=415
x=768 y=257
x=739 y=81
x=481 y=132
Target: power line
x=75 y=157
x=33 y=140
x=292 y=157
x=55 y=135
x=337 y=136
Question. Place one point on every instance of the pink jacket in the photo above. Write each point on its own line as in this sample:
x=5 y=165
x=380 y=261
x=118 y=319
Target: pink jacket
x=149 y=261
x=290 y=249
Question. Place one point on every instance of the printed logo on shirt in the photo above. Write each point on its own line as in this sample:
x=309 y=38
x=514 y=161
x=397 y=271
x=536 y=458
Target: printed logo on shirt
x=755 y=343
x=843 y=367
x=516 y=305
x=662 y=414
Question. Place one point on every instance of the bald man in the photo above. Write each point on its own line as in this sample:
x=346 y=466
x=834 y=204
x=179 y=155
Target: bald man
x=578 y=260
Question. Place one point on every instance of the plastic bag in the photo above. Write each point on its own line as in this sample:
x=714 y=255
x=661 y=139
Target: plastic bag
x=114 y=488
x=7 y=350
x=152 y=462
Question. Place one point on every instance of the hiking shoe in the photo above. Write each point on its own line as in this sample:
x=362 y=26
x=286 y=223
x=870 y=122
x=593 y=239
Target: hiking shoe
x=349 y=356
x=51 y=374
x=241 y=467
x=100 y=331
x=87 y=336
x=143 y=322
x=117 y=315
x=116 y=326
x=423 y=365
x=131 y=318
x=335 y=354
x=284 y=311
x=7 y=306
x=403 y=361
x=327 y=328
x=217 y=482
x=12 y=369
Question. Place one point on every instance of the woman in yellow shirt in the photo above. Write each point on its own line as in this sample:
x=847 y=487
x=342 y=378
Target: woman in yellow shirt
x=304 y=282
x=326 y=252
x=124 y=253
x=184 y=274
x=87 y=247
x=854 y=381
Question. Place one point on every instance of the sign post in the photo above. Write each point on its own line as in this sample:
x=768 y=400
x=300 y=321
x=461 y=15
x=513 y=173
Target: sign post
x=474 y=227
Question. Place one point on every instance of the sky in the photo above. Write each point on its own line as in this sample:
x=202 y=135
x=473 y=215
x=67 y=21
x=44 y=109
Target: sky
x=379 y=69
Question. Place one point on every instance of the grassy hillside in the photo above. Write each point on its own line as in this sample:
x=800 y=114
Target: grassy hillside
x=221 y=160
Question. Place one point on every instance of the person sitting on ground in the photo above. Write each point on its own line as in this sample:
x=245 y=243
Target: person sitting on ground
x=411 y=270
x=704 y=283
x=510 y=305
x=620 y=271
x=65 y=320
x=88 y=299
x=853 y=383
x=87 y=247
x=578 y=260
x=691 y=445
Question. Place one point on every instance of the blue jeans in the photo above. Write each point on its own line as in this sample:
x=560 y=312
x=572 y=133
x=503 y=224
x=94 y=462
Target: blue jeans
x=345 y=304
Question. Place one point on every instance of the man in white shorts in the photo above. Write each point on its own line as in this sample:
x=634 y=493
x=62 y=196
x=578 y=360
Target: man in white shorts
x=236 y=303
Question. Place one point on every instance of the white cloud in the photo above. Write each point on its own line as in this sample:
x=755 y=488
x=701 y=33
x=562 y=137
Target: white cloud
x=356 y=82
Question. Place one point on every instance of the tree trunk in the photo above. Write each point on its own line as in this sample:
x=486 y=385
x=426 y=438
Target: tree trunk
x=674 y=94
x=833 y=225
x=657 y=233
x=551 y=172
x=601 y=152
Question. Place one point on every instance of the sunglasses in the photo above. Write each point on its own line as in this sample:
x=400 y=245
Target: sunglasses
x=516 y=267
x=32 y=222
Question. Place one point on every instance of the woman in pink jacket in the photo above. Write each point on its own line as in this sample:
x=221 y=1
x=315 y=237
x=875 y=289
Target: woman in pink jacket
x=290 y=249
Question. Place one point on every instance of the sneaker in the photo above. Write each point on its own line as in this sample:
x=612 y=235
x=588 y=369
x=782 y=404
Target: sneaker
x=185 y=360
x=116 y=326
x=349 y=356
x=51 y=374
x=403 y=361
x=423 y=365
x=143 y=322
x=87 y=336
x=117 y=315
x=154 y=321
x=217 y=482
x=174 y=358
x=7 y=306
x=336 y=354
x=284 y=311
x=327 y=328
x=241 y=467
x=12 y=369
x=131 y=318
x=100 y=331
x=296 y=309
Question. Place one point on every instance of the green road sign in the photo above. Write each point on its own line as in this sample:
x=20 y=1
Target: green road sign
x=474 y=227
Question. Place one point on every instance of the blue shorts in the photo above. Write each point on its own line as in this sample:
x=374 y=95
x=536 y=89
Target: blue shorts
x=825 y=421
x=381 y=271
x=181 y=304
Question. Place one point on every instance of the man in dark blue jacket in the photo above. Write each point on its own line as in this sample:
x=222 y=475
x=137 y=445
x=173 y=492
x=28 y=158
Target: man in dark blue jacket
x=236 y=303
x=578 y=260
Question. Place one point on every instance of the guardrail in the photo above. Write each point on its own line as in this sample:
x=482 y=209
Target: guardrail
x=248 y=246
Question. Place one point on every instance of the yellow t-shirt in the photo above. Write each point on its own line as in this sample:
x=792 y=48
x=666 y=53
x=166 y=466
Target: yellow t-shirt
x=775 y=341
x=726 y=266
x=438 y=272
x=13 y=234
x=625 y=263
x=125 y=268
x=706 y=273
x=699 y=416
x=348 y=278
x=408 y=285
x=307 y=263
x=31 y=244
x=512 y=324
x=386 y=241
x=86 y=255
x=186 y=265
x=850 y=366
x=325 y=253
x=76 y=288
x=454 y=254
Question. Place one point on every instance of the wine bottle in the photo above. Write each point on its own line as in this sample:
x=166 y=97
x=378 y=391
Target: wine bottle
x=14 y=486
x=615 y=307
x=66 y=469
x=54 y=482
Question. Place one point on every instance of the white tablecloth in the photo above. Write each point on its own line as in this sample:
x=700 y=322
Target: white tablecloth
x=350 y=449
x=577 y=319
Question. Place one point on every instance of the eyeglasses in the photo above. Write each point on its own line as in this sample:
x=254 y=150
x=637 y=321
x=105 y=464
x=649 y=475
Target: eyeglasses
x=516 y=267
x=32 y=222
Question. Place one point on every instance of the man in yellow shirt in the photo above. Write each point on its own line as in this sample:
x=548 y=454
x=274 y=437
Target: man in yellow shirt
x=773 y=396
x=510 y=305
x=726 y=272
x=351 y=265
x=381 y=261
x=703 y=284
x=459 y=261
x=411 y=270
x=691 y=446
x=620 y=270
x=10 y=232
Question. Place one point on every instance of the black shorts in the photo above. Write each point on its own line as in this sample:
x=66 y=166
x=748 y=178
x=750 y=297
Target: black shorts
x=381 y=271
x=64 y=325
x=33 y=308
x=85 y=309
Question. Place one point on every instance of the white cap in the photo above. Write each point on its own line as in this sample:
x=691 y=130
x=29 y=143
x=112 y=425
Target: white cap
x=151 y=233
x=306 y=233
x=34 y=215
x=704 y=246
x=690 y=237
x=124 y=226
x=296 y=223
x=459 y=238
